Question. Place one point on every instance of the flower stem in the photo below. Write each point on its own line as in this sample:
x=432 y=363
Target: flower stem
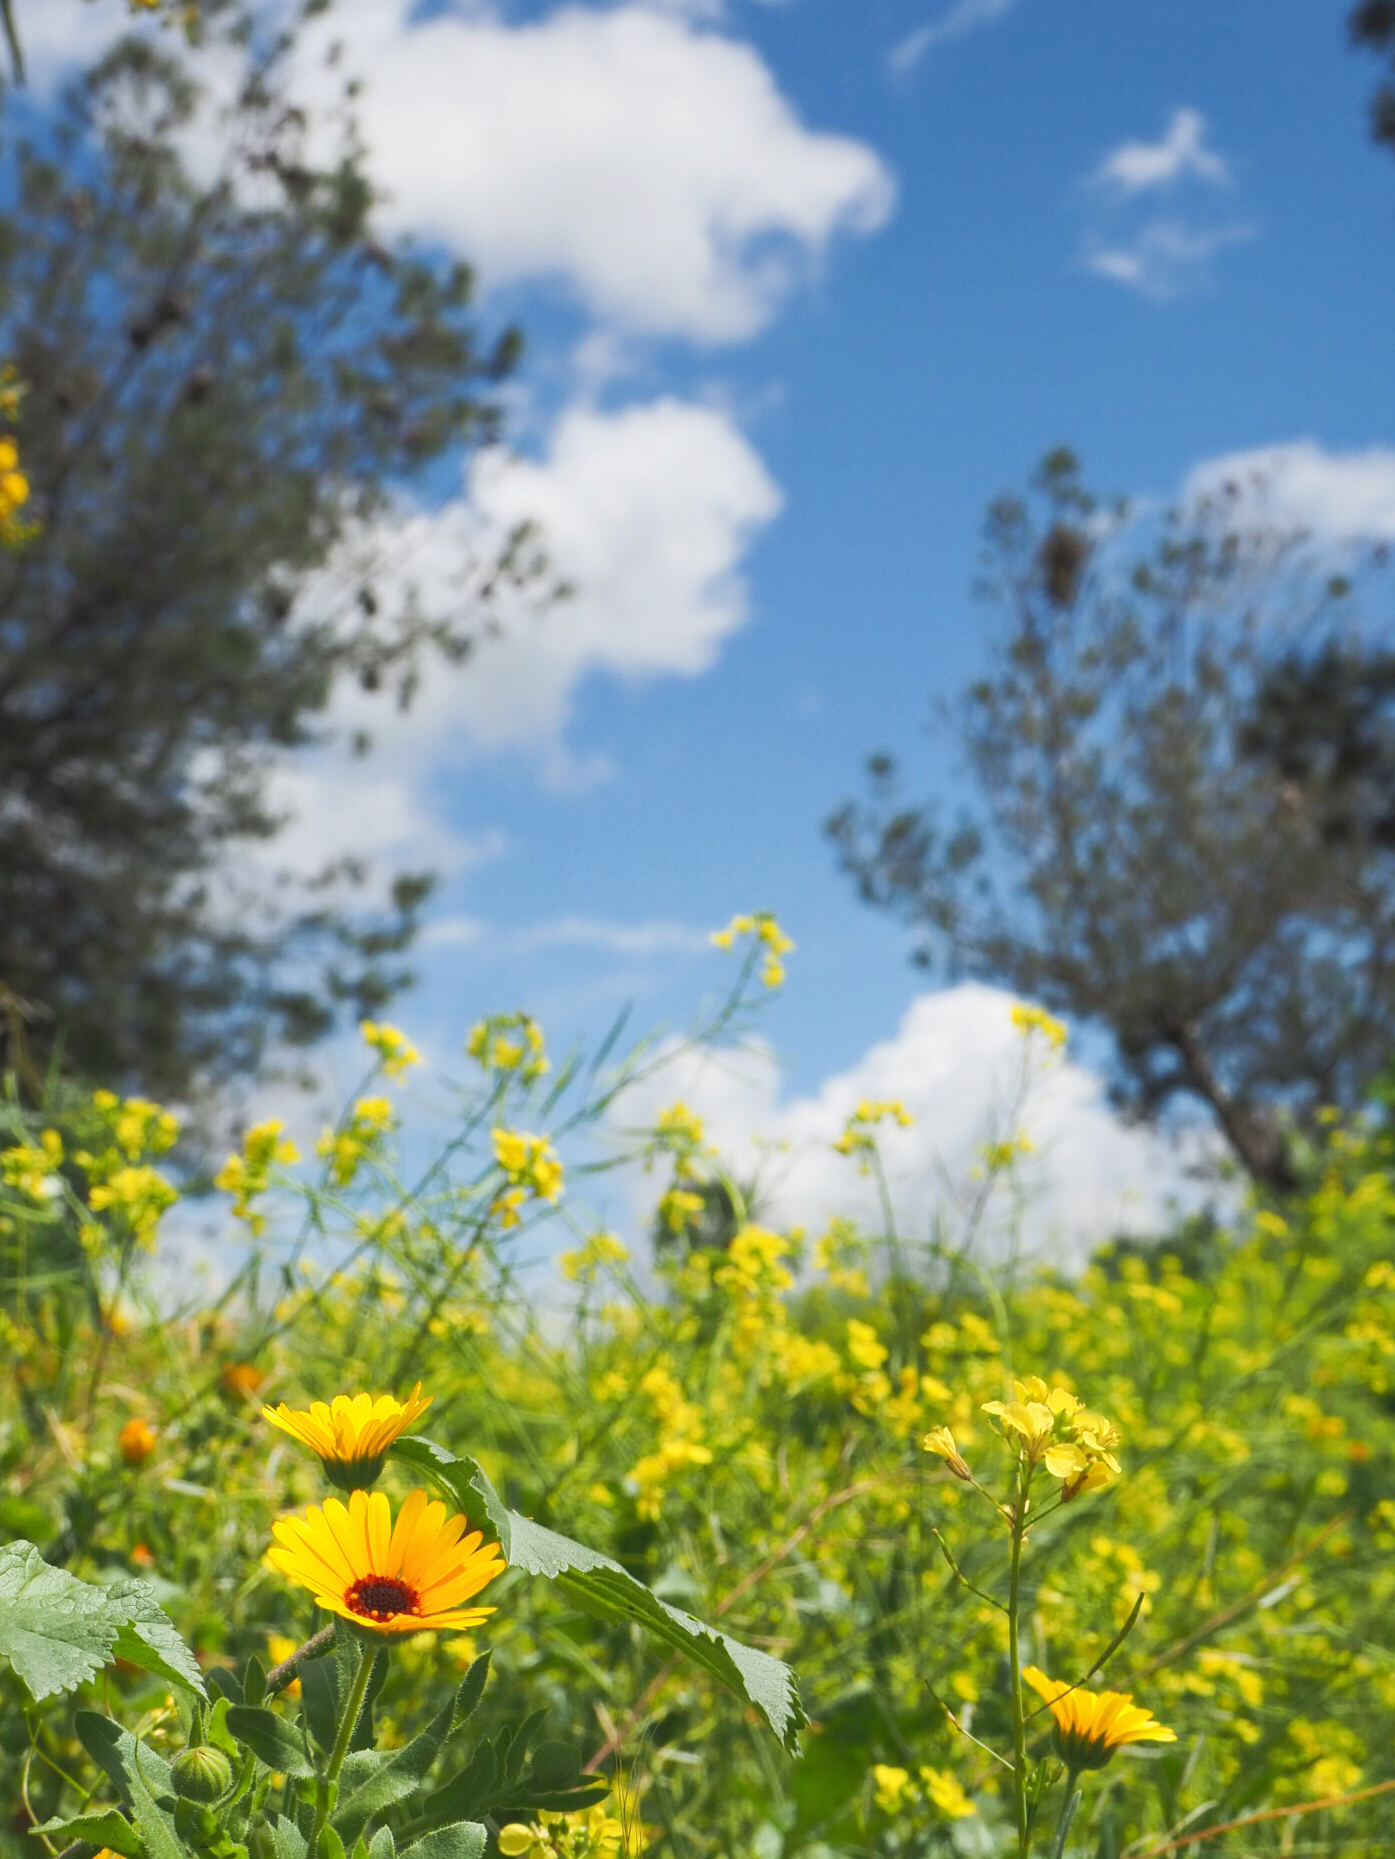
x=343 y=1737
x=1068 y=1807
x=1019 y=1723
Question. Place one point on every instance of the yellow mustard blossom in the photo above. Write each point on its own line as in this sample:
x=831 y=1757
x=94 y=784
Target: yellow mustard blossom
x=864 y=1345
x=247 y=1175
x=999 y=1156
x=136 y=1440
x=600 y=1250
x=533 y=1172
x=858 y=1137
x=838 y=1253
x=395 y=1051
x=140 y=1195
x=940 y=1440
x=390 y=1579
x=678 y=1207
x=1091 y=1725
x=509 y=1042
x=771 y=940
x=1052 y=1427
x=591 y=1834
x=946 y=1793
x=351 y=1434
x=1029 y=1020
x=346 y=1148
x=14 y=494
x=31 y=1167
x=891 y=1785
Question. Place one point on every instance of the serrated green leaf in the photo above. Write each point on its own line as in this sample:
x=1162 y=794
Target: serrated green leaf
x=108 y=1829
x=56 y=1631
x=601 y=1587
x=148 y=1638
x=271 y=1739
x=466 y=1839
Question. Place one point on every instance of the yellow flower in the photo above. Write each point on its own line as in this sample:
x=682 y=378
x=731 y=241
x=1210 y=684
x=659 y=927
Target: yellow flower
x=1058 y=1431
x=533 y=1169
x=771 y=941
x=393 y=1048
x=508 y=1042
x=940 y=1440
x=1091 y=1725
x=891 y=1784
x=351 y=1434
x=241 y=1377
x=1029 y=1020
x=136 y=1440
x=947 y=1794
x=402 y=1578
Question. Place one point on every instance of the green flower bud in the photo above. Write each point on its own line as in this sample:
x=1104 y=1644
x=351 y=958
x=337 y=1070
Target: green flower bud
x=202 y=1773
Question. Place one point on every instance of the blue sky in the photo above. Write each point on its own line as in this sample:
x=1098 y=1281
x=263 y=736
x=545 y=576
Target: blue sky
x=806 y=282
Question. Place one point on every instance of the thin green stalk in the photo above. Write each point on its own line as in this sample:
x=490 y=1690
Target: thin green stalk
x=1068 y=1807
x=343 y=1737
x=1019 y=1722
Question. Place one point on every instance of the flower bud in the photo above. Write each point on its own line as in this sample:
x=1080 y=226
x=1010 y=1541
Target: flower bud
x=202 y=1773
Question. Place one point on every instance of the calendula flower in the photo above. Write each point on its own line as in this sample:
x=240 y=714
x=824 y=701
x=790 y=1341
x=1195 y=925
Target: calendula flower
x=1091 y=1725
x=241 y=1377
x=389 y=1578
x=136 y=1440
x=352 y=1433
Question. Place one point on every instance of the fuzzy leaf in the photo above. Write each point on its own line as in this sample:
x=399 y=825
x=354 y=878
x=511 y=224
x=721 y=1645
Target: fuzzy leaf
x=271 y=1739
x=400 y=1776
x=466 y=1839
x=147 y=1637
x=109 y=1829
x=599 y=1586
x=56 y=1631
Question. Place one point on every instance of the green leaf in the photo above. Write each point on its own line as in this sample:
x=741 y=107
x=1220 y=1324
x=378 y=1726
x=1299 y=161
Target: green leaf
x=319 y=1692
x=401 y=1775
x=108 y=1829
x=56 y=1631
x=142 y=1777
x=382 y=1845
x=602 y=1588
x=271 y=1739
x=148 y=1637
x=225 y=1683
x=466 y=1839
x=471 y=1691
x=289 y=1840
x=330 y=1846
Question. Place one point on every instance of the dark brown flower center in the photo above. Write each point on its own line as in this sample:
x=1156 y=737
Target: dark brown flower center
x=379 y=1597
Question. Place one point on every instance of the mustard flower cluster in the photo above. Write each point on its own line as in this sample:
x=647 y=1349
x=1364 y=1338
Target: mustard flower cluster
x=859 y=1138
x=247 y=1174
x=532 y=1170
x=120 y=1182
x=601 y=1249
x=357 y=1138
x=899 y=1792
x=395 y=1051
x=509 y=1043
x=770 y=939
x=594 y=1834
x=1029 y=1020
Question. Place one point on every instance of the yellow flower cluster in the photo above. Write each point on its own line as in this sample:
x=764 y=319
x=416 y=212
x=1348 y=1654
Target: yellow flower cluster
x=897 y=1791
x=1052 y=1427
x=32 y=1167
x=681 y=1441
x=247 y=1175
x=770 y=940
x=395 y=1051
x=601 y=1249
x=119 y=1181
x=858 y=1136
x=1029 y=1020
x=594 y=1833
x=357 y=1138
x=509 y=1043
x=533 y=1171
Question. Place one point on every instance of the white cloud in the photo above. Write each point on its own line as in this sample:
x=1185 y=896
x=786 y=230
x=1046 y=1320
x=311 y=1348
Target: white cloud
x=648 y=512
x=658 y=937
x=1165 y=258
x=653 y=166
x=963 y=17
x=1345 y=496
x=1136 y=167
x=955 y=1062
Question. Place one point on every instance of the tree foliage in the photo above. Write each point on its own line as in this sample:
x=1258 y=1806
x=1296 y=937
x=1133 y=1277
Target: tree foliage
x=229 y=380
x=1147 y=848
x=1372 y=25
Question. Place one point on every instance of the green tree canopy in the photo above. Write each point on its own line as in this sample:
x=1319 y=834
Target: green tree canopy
x=1144 y=851
x=227 y=378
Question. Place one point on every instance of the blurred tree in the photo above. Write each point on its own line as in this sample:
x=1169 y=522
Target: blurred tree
x=1149 y=850
x=1372 y=26
x=227 y=380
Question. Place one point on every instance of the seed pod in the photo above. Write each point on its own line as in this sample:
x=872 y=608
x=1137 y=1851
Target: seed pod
x=201 y=1773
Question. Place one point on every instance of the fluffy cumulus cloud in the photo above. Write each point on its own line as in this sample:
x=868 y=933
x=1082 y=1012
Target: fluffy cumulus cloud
x=646 y=513
x=957 y=1063
x=651 y=165
x=1153 y=224
x=1343 y=496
